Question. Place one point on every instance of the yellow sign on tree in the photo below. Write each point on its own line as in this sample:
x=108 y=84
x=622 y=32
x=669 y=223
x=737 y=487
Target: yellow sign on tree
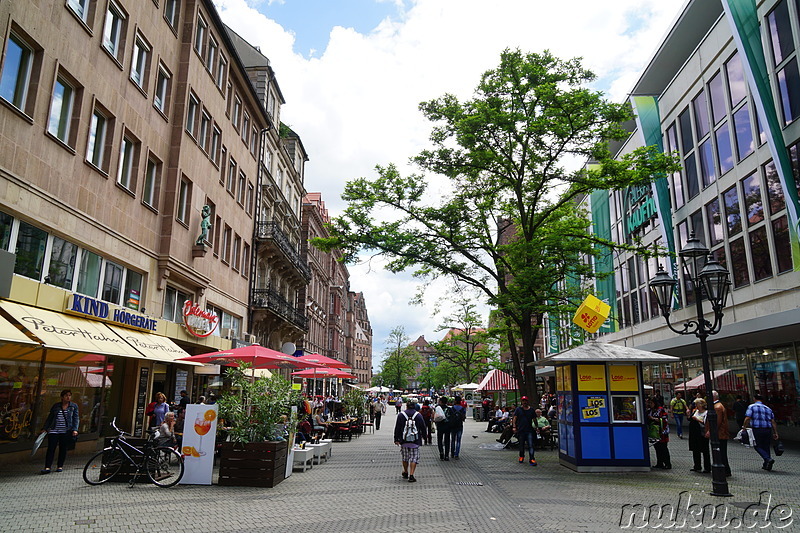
x=591 y=314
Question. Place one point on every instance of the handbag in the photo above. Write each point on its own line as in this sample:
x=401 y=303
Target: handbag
x=654 y=431
x=433 y=429
x=71 y=442
x=778 y=447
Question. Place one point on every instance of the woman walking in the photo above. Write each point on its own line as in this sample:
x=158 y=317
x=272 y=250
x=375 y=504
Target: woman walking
x=443 y=432
x=658 y=429
x=62 y=430
x=698 y=443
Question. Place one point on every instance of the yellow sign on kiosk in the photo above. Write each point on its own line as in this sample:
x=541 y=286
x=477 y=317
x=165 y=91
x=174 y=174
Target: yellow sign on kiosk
x=591 y=377
x=591 y=314
x=623 y=377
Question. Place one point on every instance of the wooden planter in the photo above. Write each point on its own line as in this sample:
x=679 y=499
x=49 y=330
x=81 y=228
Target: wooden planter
x=256 y=464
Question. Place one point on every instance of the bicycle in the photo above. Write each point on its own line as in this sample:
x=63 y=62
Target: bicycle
x=162 y=464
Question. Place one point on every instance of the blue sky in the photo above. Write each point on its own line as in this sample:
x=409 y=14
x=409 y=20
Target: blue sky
x=311 y=21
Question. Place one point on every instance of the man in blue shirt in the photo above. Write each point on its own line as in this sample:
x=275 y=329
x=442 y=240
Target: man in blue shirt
x=761 y=419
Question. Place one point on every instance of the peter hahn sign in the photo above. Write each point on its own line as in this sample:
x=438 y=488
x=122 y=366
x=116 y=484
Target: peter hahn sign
x=87 y=307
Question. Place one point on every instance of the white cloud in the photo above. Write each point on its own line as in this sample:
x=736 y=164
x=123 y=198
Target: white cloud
x=355 y=105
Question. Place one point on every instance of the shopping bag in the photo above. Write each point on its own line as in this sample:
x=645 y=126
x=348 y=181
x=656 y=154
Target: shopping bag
x=778 y=447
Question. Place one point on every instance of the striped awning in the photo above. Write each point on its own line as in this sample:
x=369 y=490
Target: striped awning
x=497 y=380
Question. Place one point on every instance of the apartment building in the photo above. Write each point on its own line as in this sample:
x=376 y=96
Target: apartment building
x=358 y=339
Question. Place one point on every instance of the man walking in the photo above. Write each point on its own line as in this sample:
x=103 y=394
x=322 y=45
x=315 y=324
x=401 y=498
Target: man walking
x=455 y=416
x=442 y=430
x=722 y=431
x=380 y=409
x=522 y=424
x=761 y=419
x=740 y=410
x=678 y=408
x=408 y=431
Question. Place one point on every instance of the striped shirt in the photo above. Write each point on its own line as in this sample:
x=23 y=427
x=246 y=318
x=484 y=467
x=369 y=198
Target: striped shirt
x=760 y=415
x=60 y=422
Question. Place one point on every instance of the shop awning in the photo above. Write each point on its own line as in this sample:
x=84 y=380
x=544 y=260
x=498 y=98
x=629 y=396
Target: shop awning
x=700 y=381
x=497 y=380
x=154 y=347
x=69 y=337
x=9 y=333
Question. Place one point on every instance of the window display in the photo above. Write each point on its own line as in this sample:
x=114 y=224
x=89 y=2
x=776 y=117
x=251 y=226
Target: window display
x=625 y=409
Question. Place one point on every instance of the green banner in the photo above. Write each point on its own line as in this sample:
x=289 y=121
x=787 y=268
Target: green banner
x=604 y=260
x=744 y=22
x=649 y=123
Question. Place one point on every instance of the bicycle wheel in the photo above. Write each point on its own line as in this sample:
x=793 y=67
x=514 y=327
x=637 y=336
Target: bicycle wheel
x=103 y=466
x=164 y=466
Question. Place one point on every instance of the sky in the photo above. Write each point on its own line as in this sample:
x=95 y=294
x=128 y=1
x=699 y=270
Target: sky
x=353 y=73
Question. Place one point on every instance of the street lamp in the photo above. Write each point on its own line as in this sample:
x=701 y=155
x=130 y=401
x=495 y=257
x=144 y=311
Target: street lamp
x=712 y=280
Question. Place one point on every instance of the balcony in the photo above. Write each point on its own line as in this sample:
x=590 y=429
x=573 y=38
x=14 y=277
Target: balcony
x=272 y=301
x=272 y=232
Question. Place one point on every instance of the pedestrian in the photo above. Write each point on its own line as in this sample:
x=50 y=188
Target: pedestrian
x=678 y=408
x=522 y=425
x=380 y=410
x=61 y=427
x=157 y=409
x=398 y=405
x=408 y=431
x=455 y=415
x=427 y=415
x=658 y=429
x=698 y=443
x=442 y=430
x=487 y=409
x=740 y=410
x=722 y=431
x=184 y=401
x=761 y=419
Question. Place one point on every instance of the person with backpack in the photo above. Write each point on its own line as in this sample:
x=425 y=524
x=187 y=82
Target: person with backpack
x=523 y=427
x=678 y=408
x=454 y=417
x=408 y=431
x=443 y=432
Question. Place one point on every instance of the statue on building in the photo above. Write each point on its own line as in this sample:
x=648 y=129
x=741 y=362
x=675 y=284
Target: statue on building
x=205 y=225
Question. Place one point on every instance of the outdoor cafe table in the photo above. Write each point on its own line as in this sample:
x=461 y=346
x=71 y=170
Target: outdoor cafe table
x=304 y=455
x=320 y=450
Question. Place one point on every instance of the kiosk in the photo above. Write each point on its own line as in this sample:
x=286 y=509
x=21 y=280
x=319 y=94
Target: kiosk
x=602 y=425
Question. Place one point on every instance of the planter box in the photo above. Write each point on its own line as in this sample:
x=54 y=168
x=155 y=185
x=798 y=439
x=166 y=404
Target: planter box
x=256 y=464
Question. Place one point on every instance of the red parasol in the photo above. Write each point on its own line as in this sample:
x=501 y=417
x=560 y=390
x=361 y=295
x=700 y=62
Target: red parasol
x=256 y=355
x=323 y=360
x=320 y=373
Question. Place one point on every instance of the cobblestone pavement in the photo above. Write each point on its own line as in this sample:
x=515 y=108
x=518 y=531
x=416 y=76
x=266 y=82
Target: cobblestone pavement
x=360 y=489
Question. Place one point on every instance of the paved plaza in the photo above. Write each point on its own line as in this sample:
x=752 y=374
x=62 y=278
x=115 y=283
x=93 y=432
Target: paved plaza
x=360 y=489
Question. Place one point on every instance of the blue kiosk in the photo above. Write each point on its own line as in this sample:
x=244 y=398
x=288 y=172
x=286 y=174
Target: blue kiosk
x=602 y=425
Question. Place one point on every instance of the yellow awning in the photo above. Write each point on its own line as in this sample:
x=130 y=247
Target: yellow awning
x=154 y=347
x=73 y=337
x=9 y=333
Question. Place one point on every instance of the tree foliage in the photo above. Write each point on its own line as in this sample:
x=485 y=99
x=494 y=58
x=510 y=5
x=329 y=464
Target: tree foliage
x=509 y=223
x=467 y=344
x=400 y=365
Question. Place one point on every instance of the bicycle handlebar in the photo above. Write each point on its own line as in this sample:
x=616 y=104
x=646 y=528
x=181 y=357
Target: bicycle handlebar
x=114 y=425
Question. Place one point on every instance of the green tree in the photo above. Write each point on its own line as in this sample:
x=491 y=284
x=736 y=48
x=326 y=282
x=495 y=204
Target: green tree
x=507 y=220
x=401 y=360
x=467 y=343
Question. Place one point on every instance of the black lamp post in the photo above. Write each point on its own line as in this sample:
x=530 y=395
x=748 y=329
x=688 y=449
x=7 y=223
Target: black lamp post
x=711 y=279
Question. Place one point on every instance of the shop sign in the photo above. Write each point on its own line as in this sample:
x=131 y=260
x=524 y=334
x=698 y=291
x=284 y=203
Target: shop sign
x=591 y=377
x=87 y=307
x=199 y=322
x=623 y=377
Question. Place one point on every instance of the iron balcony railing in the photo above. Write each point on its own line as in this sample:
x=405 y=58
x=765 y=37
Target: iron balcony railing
x=272 y=301
x=272 y=231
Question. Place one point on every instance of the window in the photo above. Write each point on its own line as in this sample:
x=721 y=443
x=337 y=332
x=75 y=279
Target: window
x=96 y=147
x=253 y=141
x=133 y=290
x=63 y=255
x=743 y=132
x=191 y=114
x=222 y=67
x=163 y=81
x=707 y=170
x=80 y=8
x=216 y=136
x=237 y=245
x=741 y=276
x=112 y=282
x=173 y=304
x=226 y=244
x=780 y=32
x=140 y=63
x=759 y=251
x=213 y=47
x=184 y=200
x=171 y=12
x=200 y=35
x=250 y=196
x=737 y=87
x=217 y=226
x=213 y=210
x=675 y=180
x=775 y=197
x=716 y=92
x=31 y=243
x=724 y=149
x=152 y=178
x=114 y=30
x=205 y=123
x=17 y=69
x=89 y=276
x=783 y=248
x=246 y=129
x=61 y=110
x=128 y=162
x=685 y=123
x=732 y=212
x=223 y=160
x=714 y=222
x=789 y=88
x=754 y=207
x=231 y=185
x=241 y=189
x=700 y=115
x=246 y=260
x=692 y=185
x=237 y=110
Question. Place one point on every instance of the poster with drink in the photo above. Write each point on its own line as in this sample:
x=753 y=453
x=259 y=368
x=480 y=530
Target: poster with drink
x=199 y=434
